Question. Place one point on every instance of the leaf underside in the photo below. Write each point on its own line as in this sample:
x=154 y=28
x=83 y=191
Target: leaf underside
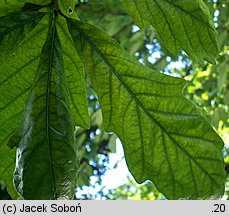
x=165 y=138
x=181 y=25
x=42 y=84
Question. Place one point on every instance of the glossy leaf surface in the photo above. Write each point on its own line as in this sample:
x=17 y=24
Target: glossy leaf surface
x=46 y=155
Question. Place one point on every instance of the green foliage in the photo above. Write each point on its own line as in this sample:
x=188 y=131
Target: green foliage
x=161 y=147
x=178 y=24
x=16 y=77
x=94 y=144
x=46 y=127
x=46 y=53
x=133 y=191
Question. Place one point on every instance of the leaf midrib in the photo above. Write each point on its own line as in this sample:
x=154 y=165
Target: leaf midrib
x=48 y=86
x=136 y=99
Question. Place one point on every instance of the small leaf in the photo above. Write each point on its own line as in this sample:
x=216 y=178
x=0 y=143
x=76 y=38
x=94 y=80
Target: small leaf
x=46 y=156
x=68 y=8
x=181 y=25
x=165 y=138
x=112 y=143
x=220 y=114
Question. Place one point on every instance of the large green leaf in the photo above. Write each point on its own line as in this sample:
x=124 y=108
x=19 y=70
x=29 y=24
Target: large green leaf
x=165 y=138
x=181 y=25
x=20 y=44
x=46 y=156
